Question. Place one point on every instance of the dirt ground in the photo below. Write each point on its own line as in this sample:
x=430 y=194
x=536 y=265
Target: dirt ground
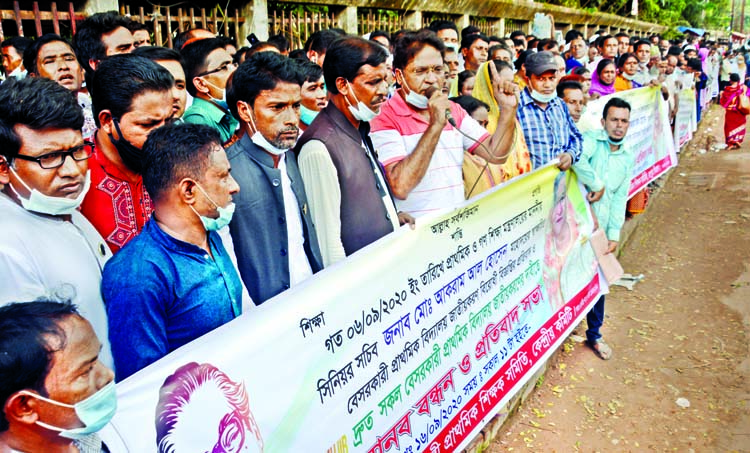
x=680 y=337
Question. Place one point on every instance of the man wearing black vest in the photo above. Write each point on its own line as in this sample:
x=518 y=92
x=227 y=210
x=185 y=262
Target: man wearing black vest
x=349 y=198
x=272 y=229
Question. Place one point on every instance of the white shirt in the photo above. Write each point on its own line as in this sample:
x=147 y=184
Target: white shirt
x=299 y=266
x=324 y=196
x=48 y=257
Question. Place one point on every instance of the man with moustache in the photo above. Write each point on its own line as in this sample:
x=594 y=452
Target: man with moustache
x=422 y=151
x=272 y=229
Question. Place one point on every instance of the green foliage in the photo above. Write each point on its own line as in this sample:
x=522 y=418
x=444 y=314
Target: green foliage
x=709 y=14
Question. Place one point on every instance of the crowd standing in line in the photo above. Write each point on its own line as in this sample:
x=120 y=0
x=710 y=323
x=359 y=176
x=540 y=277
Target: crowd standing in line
x=181 y=187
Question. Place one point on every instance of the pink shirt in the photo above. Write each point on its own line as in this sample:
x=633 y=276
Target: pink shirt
x=396 y=132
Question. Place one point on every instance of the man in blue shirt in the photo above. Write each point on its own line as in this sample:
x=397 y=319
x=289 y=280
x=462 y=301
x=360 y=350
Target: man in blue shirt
x=546 y=123
x=174 y=282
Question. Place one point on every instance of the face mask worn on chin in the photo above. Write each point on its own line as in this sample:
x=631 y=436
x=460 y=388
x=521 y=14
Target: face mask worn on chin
x=129 y=153
x=94 y=412
x=220 y=102
x=543 y=98
x=261 y=141
x=361 y=112
x=225 y=214
x=413 y=98
x=627 y=76
x=614 y=142
x=306 y=115
x=45 y=204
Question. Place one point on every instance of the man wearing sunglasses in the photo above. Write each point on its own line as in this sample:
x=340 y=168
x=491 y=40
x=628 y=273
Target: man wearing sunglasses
x=208 y=67
x=47 y=247
x=131 y=97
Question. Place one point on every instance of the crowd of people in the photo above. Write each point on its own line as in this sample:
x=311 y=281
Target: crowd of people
x=164 y=192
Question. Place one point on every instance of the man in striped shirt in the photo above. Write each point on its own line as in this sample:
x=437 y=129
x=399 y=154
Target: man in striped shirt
x=547 y=125
x=421 y=136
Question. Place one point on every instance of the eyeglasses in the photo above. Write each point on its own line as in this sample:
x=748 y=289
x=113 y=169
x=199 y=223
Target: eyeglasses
x=422 y=72
x=56 y=159
x=224 y=67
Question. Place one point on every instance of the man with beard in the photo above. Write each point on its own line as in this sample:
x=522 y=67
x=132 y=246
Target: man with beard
x=273 y=231
x=131 y=97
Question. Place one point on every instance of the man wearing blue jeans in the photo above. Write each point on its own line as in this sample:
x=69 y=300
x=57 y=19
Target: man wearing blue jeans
x=605 y=168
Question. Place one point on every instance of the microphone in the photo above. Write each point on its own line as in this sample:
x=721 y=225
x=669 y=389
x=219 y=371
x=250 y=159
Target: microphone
x=450 y=119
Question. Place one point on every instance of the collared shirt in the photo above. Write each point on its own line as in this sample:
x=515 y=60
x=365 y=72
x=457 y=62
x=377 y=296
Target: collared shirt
x=549 y=131
x=209 y=114
x=117 y=204
x=162 y=293
x=45 y=256
x=299 y=265
x=601 y=168
x=395 y=134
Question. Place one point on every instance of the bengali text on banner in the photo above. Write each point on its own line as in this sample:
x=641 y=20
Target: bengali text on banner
x=649 y=136
x=410 y=345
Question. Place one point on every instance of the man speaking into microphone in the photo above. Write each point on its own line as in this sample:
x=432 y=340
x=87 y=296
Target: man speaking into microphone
x=420 y=136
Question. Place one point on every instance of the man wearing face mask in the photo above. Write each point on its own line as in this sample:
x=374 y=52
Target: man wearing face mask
x=421 y=150
x=131 y=97
x=273 y=231
x=605 y=168
x=208 y=67
x=175 y=281
x=56 y=392
x=314 y=94
x=47 y=246
x=349 y=198
x=547 y=125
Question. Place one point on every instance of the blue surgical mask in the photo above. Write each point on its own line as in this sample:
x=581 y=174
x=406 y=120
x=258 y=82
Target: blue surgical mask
x=225 y=214
x=543 y=98
x=306 y=115
x=220 y=102
x=45 y=204
x=94 y=412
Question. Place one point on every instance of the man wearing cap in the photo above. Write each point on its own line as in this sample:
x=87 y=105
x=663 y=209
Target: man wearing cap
x=545 y=120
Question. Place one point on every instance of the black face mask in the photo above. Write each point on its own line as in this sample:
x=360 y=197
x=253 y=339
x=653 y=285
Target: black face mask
x=130 y=155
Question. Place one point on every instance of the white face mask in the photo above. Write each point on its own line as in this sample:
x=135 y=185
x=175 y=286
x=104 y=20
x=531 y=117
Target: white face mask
x=543 y=98
x=45 y=204
x=261 y=141
x=627 y=76
x=361 y=112
x=452 y=45
x=416 y=100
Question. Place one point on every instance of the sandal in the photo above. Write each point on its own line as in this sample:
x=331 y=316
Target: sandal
x=601 y=349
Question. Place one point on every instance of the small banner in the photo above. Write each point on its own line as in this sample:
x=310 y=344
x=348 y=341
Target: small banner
x=649 y=136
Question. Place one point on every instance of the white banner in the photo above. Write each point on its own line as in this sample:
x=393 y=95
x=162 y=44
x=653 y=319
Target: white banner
x=411 y=344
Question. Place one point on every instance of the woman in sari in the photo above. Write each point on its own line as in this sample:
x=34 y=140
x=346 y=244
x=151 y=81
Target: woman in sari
x=603 y=79
x=478 y=175
x=734 y=120
x=627 y=67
